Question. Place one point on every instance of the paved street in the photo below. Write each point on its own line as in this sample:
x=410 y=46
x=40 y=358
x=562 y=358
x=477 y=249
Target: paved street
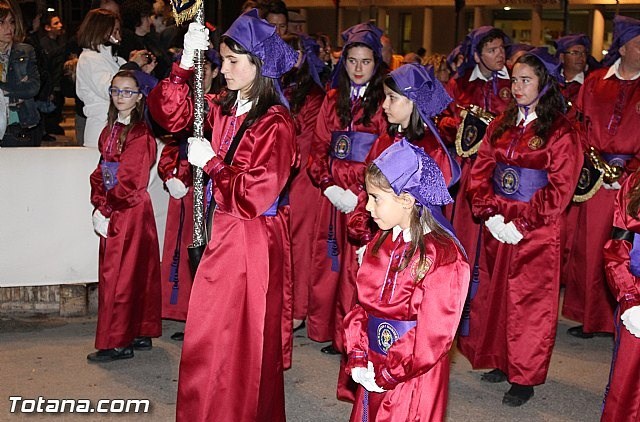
x=46 y=357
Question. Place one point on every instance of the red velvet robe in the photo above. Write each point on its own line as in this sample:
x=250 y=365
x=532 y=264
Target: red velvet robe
x=587 y=298
x=464 y=94
x=622 y=402
x=514 y=313
x=171 y=165
x=418 y=361
x=232 y=358
x=129 y=301
x=304 y=199
x=332 y=294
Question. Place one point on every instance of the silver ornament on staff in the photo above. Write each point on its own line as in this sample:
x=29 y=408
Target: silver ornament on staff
x=184 y=10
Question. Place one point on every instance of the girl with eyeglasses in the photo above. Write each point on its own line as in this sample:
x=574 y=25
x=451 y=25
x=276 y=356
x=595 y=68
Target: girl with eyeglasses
x=129 y=257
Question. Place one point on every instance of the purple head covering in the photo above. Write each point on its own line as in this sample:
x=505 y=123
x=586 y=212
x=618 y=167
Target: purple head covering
x=550 y=63
x=363 y=33
x=146 y=82
x=564 y=43
x=453 y=56
x=213 y=57
x=472 y=42
x=517 y=47
x=259 y=38
x=312 y=57
x=624 y=30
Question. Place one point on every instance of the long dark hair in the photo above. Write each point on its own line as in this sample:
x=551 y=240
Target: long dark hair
x=263 y=90
x=415 y=131
x=420 y=217
x=300 y=77
x=549 y=106
x=137 y=114
x=373 y=96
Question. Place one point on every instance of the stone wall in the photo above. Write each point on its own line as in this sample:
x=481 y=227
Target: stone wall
x=65 y=300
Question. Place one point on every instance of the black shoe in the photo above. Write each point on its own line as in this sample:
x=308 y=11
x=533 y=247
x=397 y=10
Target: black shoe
x=577 y=332
x=494 y=376
x=330 y=350
x=300 y=326
x=48 y=138
x=517 y=395
x=109 y=355
x=142 y=343
x=177 y=336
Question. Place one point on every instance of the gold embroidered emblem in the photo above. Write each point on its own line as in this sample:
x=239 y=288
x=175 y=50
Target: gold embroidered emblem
x=418 y=273
x=535 y=143
x=505 y=93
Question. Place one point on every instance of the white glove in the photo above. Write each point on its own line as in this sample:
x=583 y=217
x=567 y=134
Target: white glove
x=360 y=253
x=631 y=320
x=334 y=193
x=510 y=234
x=495 y=224
x=176 y=188
x=348 y=201
x=370 y=380
x=358 y=374
x=200 y=151
x=196 y=38
x=100 y=223
x=612 y=186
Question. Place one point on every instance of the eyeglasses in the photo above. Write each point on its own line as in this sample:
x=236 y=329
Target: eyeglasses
x=126 y=93
x=576 y=53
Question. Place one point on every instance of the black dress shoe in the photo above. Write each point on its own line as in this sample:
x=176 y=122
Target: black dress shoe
x=177 y=336
x=109 y=355
x=142 y=343
x=300 y=326
x=330 y=350
x=494 y=376
x=577 y=332
x=517 y=395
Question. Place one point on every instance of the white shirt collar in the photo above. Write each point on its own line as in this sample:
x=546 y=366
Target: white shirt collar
x=358 y=91
x=124 y=120
x=242 y=106
x=477 y=74
x=406 y=233
x=530 y=117
x=614 y=70
x=579 y=78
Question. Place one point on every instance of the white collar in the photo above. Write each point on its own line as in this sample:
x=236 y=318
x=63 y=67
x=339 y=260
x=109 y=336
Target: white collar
x=530 y=117
x=124 y=120
x=579 y=78
x=477 y=74
x=358 y=91
x=614 y=70
x=406 y=233
x=242 y=106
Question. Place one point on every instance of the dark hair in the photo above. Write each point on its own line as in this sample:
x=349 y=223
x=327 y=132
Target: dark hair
x=132 y=12
x=137 y=114
x=373 y=96
x=29 y=12
x=263 y=90
x=96 y=28
x=301 y=78
x=493 y=34
x=415 y=131
x=549 y=106
x=420 y=217
x=47 y=17
x=276 y=8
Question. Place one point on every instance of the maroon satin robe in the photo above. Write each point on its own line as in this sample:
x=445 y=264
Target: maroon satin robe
x=129 y=298
x=171 y=165
x=232 y=357
x=514 y=313
x=587 y=298
x=417 y=364
x=622 y=402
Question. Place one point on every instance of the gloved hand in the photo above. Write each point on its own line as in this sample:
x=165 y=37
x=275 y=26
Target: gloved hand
x=495 y=224
x=100 y=223
x=631 y=320
x=348 y=201
x=358 y=374
x=370 y=380
x=200 y=151
x=176 y=188
x=510 y=234
x=360 y=253
x=196 y=38
x=612 y=186
x=334 y=193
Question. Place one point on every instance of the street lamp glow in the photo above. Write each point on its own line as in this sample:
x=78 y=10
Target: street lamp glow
x=507 y=8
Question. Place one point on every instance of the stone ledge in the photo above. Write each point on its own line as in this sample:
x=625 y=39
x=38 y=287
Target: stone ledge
x=65 y=300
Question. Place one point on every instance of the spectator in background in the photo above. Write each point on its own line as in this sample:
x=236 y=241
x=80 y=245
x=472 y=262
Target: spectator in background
x=440 y=67
x=111 y=5
x=54 y=47
x=276 y=14
x=411 y=58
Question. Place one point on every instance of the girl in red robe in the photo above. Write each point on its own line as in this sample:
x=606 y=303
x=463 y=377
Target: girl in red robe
x=129 y=260
x=522 y=181
x=231 y=367
x=622 y=265
x=411 y=290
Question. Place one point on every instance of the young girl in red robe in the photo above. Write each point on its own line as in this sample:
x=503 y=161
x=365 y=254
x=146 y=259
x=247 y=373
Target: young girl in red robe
x=129 y=261
x=622 y=265
x=411 y=289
